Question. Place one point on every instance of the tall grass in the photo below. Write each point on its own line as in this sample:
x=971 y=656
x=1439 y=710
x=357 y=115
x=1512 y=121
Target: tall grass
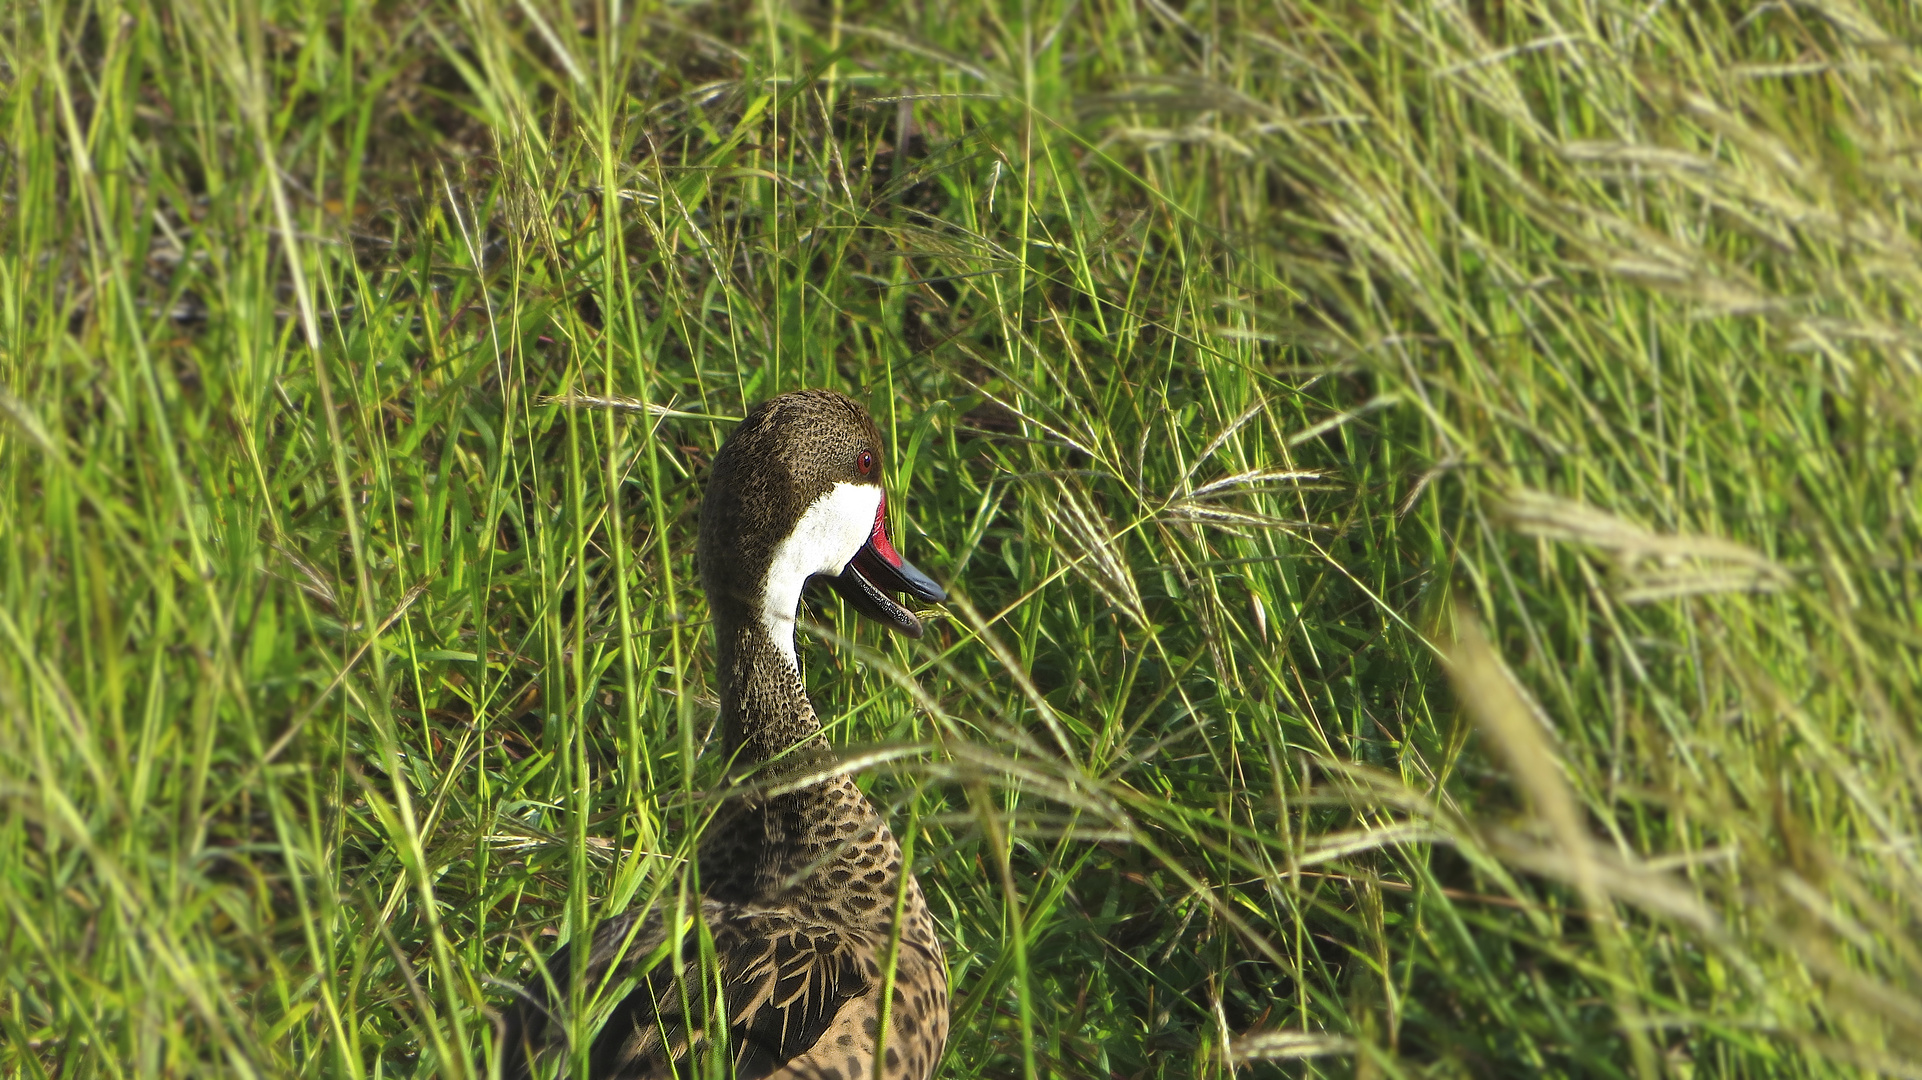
x=1429 y=493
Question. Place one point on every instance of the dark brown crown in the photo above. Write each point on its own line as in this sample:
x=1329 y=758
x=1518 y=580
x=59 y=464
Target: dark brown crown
x=789 y=451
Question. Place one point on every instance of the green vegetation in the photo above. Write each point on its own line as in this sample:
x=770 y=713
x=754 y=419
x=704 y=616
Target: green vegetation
x=1430 y=493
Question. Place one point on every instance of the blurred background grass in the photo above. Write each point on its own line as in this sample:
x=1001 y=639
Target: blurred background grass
x=1430 y=494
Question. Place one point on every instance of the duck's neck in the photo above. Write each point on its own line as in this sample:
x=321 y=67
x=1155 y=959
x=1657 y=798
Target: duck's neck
x=764 y=705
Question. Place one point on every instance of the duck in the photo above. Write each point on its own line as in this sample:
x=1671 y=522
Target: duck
x=824 y=952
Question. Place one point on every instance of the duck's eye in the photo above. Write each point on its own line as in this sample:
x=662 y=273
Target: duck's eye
x=865 y=463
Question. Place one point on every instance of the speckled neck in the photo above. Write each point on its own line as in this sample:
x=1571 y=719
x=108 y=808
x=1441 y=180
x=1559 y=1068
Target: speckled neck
x=765 y=710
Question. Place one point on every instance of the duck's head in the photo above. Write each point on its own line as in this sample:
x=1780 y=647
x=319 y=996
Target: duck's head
x=795 y=494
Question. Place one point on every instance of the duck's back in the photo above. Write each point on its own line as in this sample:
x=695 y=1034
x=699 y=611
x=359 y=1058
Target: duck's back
x=828 y=875
x=799 y=895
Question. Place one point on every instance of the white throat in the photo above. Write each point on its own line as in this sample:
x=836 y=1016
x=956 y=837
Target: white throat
x=830 y=531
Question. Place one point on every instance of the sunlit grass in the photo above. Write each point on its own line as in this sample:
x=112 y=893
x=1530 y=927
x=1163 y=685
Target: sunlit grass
x=1429 y=495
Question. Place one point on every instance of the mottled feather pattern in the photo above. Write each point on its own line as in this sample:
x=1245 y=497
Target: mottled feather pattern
x=793 y=960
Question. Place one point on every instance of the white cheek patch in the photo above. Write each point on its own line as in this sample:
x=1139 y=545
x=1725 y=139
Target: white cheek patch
x=830 y=531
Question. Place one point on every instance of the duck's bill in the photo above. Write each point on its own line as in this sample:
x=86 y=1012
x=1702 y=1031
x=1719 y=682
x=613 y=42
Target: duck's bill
x=877 y=570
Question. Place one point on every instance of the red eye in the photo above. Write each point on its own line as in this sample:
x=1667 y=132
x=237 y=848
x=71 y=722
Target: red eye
x=865 y=462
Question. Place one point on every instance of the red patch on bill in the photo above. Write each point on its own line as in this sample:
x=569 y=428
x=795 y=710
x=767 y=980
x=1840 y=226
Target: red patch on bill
x=878 y=540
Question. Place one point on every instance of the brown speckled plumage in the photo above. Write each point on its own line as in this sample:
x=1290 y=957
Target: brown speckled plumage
x=798 y=889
